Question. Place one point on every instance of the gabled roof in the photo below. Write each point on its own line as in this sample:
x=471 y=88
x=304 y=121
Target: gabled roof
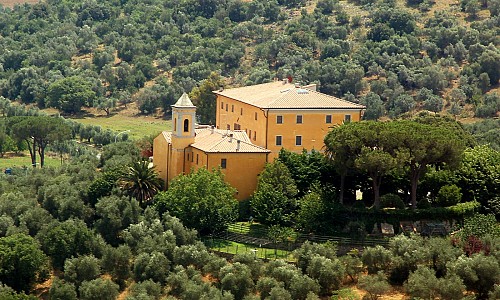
x=280 y=95
x=184 y=101
x=221 y=141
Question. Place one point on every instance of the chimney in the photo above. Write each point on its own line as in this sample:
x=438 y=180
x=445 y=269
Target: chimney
x=230 y=137
x=285 y=81
x=238 y=143
x=297 y=84
x=212 y=129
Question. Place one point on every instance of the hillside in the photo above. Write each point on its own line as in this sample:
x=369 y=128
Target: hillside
x=396 y=57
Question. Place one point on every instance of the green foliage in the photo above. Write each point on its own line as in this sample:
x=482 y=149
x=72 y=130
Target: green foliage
x=478 y=272
x=308 y=251
x=70 y=94
x=376 y=285
x=147 y=289
x=22 y=263
x=237 y=279
x=116 y=261
x=8 y=293
x=98 y=289
x=67 y=239
x=154 y=266
x=392 y=200
x=61 y=290
x=206 y=207
x=273 y=202
x=449 y=195
x=329 y=273
x=141 y=182
x=82 y=268
x=115 y=214
x=479 y=226
x=376 y=259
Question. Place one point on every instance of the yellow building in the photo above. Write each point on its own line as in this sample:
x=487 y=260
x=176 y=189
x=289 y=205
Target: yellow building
x=253 y=124
x=189 y=147
x=279 y=114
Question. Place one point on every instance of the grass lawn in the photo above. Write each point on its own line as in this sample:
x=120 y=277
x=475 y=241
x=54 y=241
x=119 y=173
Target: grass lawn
x=139 y=126
x=238 y=248
x=9 y=161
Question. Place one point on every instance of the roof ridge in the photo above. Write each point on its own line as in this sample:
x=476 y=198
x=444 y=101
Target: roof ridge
x=282 y=95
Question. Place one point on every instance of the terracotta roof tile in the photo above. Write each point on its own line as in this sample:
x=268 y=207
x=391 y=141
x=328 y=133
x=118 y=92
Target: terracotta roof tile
x=279 y=95
x=221 y=141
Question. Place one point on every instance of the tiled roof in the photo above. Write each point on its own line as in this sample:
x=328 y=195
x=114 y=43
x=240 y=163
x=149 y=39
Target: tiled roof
x=221 y=141
x=279 y=95
x=184 y=101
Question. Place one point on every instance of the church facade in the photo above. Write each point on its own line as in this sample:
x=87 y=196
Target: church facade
x=253 y=124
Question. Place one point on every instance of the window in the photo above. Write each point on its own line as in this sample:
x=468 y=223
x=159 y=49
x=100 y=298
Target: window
x=241 y=111
x=347 y=118
x=254 y=135
x=255 y=116
x=221 y=105
x=192 y=157
x=250 y=134
x=197 y=158
x=232 y=108
x=298 y=140
x=186 y=125
x=223 y=163
x=237 y=126
x=279 y=119
x=228 y=127
x=299 y=119
x=227 y=106
x=279 y=140
x=328 y=119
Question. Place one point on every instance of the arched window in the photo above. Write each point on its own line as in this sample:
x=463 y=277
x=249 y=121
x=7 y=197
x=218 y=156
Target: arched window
x=186 y=125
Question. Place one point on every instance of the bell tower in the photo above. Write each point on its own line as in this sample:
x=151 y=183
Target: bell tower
x=183 y=120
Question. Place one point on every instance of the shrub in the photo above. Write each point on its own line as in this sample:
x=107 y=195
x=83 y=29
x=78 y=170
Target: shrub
x=391 y=200
x=479 y=272
x=61 y=290
x=83 y=268
x=279 y=293
x=353 y=266
x=376 y=285
x=265 y=285
x=376 y=259
x=329 y=273
x=98 y=289
x=309 y=250
x=301 y=286
x=154 y=266
x=237 y=279
x=449 y=195
x=422 y=284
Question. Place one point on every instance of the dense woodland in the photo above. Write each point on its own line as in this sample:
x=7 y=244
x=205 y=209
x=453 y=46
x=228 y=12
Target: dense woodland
x=393 y=56
x=100 y=224
x=95 y=235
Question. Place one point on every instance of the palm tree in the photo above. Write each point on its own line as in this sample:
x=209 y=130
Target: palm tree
x=141 y=182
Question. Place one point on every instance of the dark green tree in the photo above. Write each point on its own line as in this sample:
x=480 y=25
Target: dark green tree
x=274 y=200
x=204 y=98
x=22 y=263
x=70 y=94
x=206 y=207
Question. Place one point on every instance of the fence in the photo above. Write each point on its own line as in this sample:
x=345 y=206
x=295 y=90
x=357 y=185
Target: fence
x=237 y=243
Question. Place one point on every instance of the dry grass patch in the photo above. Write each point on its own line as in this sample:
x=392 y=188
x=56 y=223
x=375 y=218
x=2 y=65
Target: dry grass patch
x=12 y=3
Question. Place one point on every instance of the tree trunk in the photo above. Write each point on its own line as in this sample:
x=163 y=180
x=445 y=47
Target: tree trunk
x=32 y=149
x=376 y=191
x=415 y=175
x=342 y=185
